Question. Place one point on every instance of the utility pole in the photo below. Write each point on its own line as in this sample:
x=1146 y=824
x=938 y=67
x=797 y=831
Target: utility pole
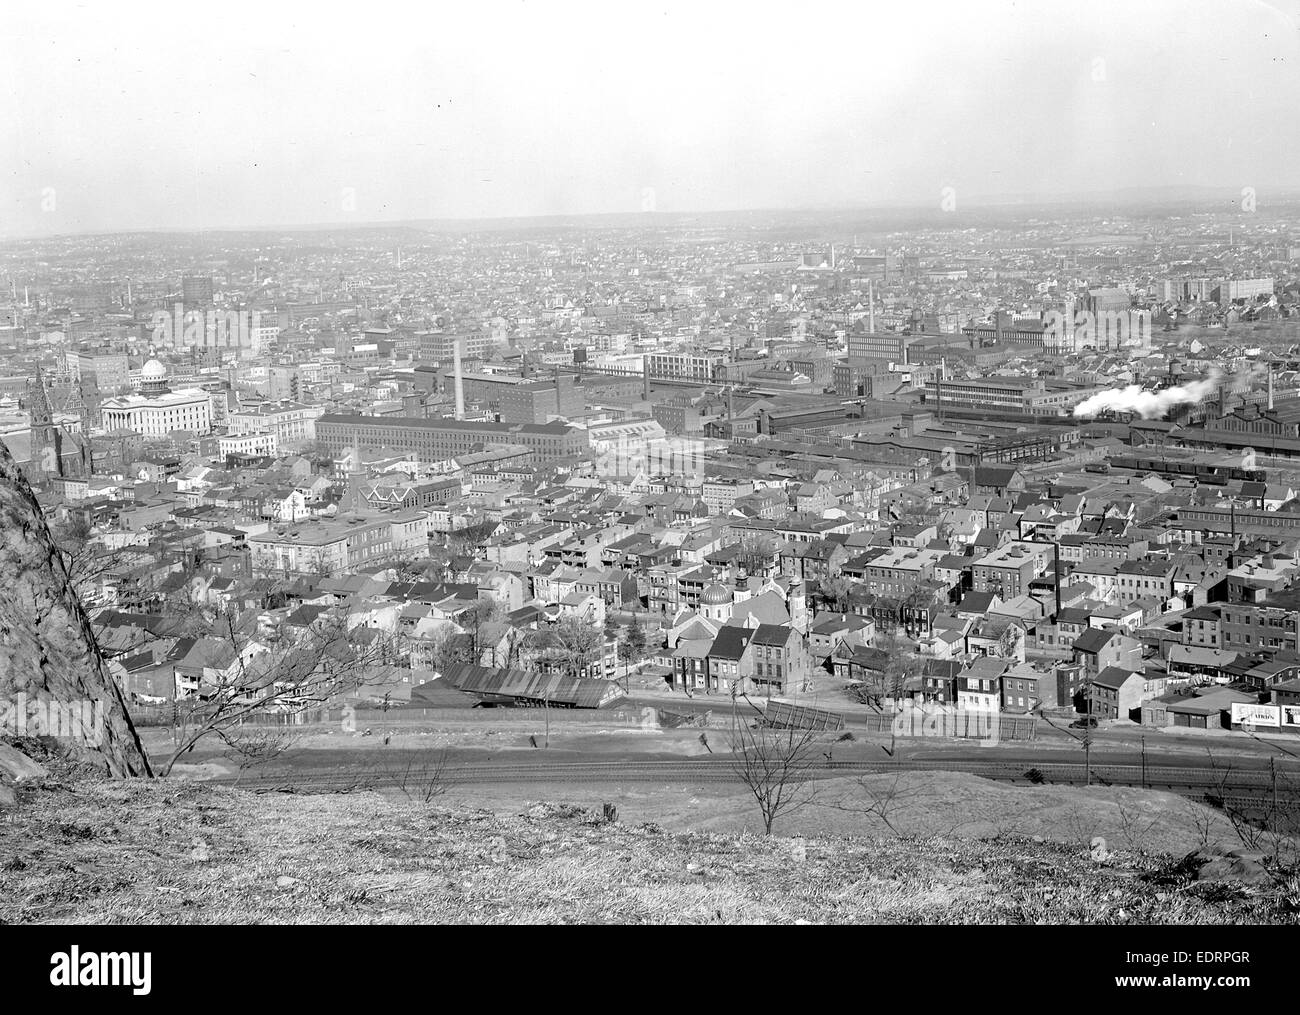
x=1087 y=750
x=1087 y=732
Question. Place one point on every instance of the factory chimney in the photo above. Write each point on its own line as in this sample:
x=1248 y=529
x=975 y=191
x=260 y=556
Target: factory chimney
x=871 y=308
x=459 y=380
x=645 y=373
x=1270 y=385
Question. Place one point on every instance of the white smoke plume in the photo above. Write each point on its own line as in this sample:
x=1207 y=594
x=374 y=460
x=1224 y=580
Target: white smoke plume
x=1147 y=404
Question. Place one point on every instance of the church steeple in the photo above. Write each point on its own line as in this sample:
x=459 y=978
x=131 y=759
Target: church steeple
x=45 y=441
x=39 y=401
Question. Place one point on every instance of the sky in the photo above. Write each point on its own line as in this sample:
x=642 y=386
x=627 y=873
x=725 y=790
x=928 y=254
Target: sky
x=231 y=115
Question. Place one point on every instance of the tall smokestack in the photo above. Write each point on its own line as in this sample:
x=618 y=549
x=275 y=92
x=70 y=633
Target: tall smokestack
x=645 y=374
x=460 y=381
x=1270 y=385
x=871 y=308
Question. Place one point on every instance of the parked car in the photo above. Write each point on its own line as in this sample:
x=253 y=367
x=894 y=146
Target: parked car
x=1087 y=722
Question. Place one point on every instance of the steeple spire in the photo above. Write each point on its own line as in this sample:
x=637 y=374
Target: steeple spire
x=44 y=443
x=39 y=401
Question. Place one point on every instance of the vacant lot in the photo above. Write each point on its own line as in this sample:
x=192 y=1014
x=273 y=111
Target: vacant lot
x=185 y=852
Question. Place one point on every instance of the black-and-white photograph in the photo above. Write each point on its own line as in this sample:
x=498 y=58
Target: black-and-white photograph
x=556 y=462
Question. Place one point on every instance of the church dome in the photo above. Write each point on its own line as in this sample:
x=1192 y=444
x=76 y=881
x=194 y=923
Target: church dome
x=715 y=595
x=153 y=371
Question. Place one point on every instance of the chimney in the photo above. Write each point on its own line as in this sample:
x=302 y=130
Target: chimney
x=1270 y=385
x=460 y=382
x=871 y=308
x=645 y=370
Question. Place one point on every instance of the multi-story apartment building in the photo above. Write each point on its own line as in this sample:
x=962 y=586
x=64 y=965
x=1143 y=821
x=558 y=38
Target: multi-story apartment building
x=290 y=422
x=439 y=346
x=1010 y=568
x=897 y=572
x=720 y=493
x=1136 y=579
x=436 y=439
x=339 y=546
x=1201 y=626
x=110 y=371
x=885 y=345
x=780 y=659
x=682 y=366
x=538 y=401
x=250 y=443
x=1270 y=627
x=995 y=394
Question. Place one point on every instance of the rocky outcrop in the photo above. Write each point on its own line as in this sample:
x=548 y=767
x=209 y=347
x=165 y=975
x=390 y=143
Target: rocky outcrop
x=1245 y=866
x=15 y=767
x=49 y=661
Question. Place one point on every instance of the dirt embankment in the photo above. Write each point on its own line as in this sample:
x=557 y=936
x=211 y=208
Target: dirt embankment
x=188 y=852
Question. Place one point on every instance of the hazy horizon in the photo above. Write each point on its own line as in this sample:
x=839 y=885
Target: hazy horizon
x=146 y=119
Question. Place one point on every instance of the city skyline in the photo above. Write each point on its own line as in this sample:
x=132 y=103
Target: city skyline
x=554 y=463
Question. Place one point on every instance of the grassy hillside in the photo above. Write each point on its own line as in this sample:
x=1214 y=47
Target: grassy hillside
x=185 y=852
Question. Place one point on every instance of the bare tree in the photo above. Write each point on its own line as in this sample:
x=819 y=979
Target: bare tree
x=1009 y=644
x=1135 y=826
x=318 y=669
x=834 y=592
x=89 y=564
x=579 y=644
x=775 y=765
x=756 y=554
x=256 y=747
x=477 y=621
x=882 y=798
x=422 y=783
x=901 y=662
x=1201 y=819
x=634 y=640
x=466 y=646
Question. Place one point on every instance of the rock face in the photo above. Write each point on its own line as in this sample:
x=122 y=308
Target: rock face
x=17 y=767
x=48 y=656
x=1247 y=866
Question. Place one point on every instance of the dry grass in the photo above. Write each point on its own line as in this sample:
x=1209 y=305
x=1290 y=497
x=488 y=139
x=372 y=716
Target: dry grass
x=104 y=852
x=926 y=804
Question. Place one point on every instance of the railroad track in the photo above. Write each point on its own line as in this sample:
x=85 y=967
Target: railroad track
x=1193 y=781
